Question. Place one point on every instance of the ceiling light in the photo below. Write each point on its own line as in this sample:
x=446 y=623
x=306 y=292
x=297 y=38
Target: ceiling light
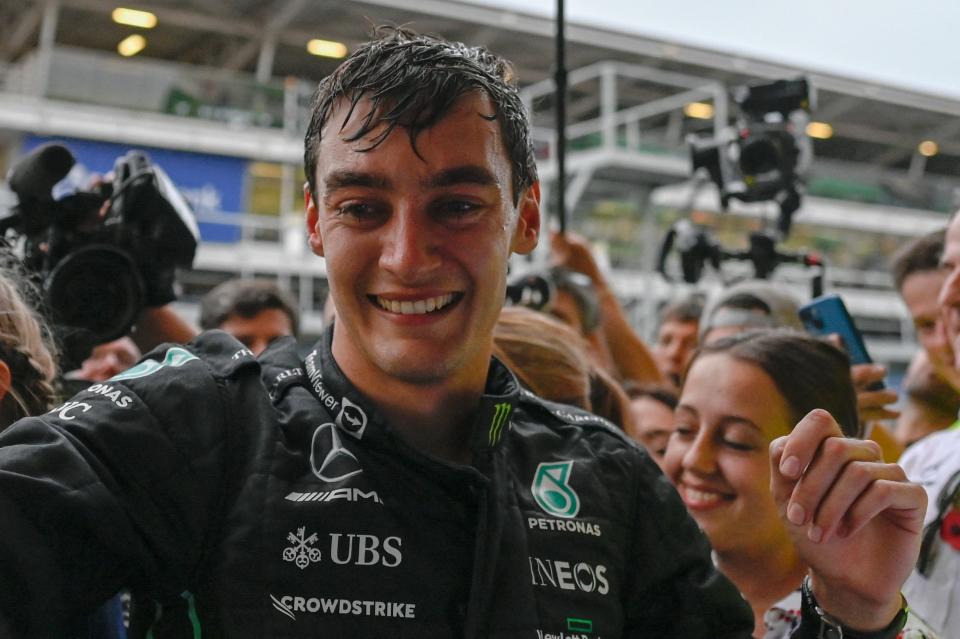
x=699 y=110
x=820 y=130
x=928 y=148
x=327 y=49
x=134 y=18
x=131 y=45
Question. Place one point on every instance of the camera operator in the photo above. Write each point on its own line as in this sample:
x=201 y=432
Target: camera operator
x=103 y=253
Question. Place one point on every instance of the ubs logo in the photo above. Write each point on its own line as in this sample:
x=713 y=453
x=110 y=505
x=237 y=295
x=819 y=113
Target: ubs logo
x=329 y=460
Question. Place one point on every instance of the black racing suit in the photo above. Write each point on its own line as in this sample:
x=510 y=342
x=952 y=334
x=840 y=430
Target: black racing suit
x=269 y=499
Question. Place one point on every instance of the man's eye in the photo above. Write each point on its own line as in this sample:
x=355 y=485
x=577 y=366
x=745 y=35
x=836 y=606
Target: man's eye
x=455 y=208
x=684 y=432
x=359 y=211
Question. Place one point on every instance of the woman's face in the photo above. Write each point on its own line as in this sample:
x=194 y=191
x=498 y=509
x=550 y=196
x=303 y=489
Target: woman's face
x=718 y=457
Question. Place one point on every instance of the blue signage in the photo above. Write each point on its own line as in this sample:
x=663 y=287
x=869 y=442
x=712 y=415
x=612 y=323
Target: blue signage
x=211 y=183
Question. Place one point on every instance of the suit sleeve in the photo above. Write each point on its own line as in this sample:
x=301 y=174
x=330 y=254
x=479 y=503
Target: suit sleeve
x=674 y=589
x=118 y=483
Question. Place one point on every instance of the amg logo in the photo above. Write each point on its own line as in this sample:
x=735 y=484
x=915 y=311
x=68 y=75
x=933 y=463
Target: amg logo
x=342 y=494
x=560 y=574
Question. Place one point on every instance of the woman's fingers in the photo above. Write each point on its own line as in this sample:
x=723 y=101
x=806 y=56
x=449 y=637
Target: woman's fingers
x=854 y=484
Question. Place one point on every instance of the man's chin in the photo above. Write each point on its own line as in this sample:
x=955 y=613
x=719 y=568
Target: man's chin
x=417 y=371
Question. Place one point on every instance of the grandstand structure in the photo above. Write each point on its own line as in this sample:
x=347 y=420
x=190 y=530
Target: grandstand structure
x=220 y=94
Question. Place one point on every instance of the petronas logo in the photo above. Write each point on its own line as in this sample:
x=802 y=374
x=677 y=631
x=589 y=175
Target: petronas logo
x=175 y=358
x=552 y=491
x=500 y=416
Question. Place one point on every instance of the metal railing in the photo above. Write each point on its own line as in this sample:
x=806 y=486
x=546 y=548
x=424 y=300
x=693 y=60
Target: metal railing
x=92 y=77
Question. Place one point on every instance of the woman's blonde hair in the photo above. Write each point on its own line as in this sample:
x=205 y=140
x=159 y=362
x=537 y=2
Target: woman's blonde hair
x=547 y=356
x=26 y=348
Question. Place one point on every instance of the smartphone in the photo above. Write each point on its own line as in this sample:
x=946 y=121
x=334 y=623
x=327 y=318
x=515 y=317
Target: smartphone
x=826 y=315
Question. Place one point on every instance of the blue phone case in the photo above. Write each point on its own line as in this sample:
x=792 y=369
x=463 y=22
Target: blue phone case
x=826 y=315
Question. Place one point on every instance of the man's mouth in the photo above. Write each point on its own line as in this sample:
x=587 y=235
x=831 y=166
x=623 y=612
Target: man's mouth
x=417 y=307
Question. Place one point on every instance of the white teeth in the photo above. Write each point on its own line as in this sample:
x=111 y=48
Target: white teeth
x=420 y=307
x=700 y=497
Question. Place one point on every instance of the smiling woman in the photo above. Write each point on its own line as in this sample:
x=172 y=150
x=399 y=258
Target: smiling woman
x=741 y=393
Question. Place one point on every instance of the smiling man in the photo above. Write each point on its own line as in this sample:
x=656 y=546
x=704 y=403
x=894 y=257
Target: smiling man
x=395 y=482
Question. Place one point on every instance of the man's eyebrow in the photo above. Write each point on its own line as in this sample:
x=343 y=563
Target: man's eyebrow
x=466 y=174
x=346 y=179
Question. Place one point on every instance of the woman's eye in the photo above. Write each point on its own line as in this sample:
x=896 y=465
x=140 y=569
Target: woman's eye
x=737 y=445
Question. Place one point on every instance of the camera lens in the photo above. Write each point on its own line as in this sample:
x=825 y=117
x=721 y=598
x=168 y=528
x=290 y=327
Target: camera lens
x=759 y=156
x=96 y=288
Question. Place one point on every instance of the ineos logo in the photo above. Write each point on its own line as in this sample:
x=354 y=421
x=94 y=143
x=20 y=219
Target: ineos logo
x=329 y=460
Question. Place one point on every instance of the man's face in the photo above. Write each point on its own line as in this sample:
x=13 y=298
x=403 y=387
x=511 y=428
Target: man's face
x=417 y=246
x=675 y=344
x=258 y=331
x=949 y=299
x=920 y=291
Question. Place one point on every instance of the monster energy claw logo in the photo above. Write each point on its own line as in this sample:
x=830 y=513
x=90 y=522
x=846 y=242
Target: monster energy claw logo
x=501 y=416
x=552 y=491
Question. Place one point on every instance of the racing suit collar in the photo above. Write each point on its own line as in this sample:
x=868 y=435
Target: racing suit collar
x=490 y=423
x=492 y=420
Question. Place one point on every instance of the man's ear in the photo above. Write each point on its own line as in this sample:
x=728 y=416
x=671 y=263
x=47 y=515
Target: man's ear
x=314 y=238
x=528 y=221
x=5 y=379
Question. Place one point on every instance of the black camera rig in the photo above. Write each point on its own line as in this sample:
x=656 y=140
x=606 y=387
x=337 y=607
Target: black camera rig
x=697 y=248
x=100 y=253
x=761 y=158
x=764 y=155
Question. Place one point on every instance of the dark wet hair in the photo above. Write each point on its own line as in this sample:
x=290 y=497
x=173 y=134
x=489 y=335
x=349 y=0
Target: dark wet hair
x=246 y=298
x=413 y=81
x=809 y=372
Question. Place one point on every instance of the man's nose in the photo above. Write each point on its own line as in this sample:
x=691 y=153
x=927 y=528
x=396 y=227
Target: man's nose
x=409 y=248
x=950 y=291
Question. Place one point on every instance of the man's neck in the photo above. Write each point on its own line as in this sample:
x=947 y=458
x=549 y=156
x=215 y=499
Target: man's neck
x=437 y=422
x=434 y=416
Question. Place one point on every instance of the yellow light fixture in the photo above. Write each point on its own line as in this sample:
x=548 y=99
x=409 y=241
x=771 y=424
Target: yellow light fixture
x=699 y=110
x=131 y=45
x=820 y=130
x=134 y=18
x=327 y=48
x=928 y=148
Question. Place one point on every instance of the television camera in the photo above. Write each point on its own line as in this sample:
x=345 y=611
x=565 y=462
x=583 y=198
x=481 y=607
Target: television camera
x=761 y=158
x=100 y=254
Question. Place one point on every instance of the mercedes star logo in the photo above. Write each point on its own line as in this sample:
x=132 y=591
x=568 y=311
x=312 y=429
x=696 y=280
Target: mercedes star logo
x=330 y=461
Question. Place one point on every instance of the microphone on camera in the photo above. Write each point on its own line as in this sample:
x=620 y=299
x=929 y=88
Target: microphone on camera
x=35 y=175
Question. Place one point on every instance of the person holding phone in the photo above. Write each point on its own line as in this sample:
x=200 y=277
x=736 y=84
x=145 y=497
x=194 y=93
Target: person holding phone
x=717 y=458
